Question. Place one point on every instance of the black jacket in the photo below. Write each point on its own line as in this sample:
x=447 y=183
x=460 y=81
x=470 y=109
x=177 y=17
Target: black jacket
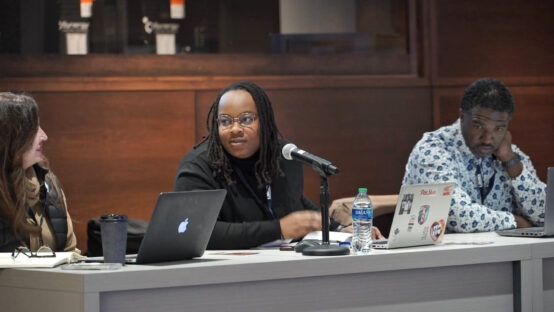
x=243 y=222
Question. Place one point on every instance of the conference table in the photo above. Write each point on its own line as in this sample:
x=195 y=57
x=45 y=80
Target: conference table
x=466 y=272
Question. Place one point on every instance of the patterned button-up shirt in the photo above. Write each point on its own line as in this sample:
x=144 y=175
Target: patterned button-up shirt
x=442 y=156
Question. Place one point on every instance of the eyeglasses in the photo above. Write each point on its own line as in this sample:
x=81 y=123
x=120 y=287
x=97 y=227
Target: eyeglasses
x=42 y=252
x=245 y=120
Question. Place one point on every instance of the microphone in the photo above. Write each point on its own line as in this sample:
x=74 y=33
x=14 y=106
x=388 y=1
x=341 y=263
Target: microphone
x=290 y=152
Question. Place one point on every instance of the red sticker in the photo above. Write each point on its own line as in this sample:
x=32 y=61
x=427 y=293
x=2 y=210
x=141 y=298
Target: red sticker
x=446 y=190
x=423 y=214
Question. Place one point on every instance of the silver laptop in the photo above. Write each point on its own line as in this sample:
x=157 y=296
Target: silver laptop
x=420 y=216
x=548 y=228
x=180 y=227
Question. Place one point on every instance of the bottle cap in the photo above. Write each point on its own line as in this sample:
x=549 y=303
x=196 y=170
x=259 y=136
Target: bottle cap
x=345 y=243
x=362 y=190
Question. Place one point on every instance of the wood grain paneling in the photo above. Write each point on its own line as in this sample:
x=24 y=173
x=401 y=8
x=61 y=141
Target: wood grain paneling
x=494 y=38
x=100 y=65
x=114 y=152
x=192 y=83
x=367 y=133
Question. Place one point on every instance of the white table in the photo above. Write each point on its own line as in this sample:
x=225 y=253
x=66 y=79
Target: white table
x=469 y=272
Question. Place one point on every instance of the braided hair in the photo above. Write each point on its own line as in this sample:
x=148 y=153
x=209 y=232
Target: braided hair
x=267 y=165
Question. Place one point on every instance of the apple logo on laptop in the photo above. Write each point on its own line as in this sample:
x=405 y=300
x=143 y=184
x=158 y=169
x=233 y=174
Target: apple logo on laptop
x=183 y=226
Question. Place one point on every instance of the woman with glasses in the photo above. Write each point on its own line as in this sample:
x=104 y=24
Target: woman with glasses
x=242 y=154
x=33 y=211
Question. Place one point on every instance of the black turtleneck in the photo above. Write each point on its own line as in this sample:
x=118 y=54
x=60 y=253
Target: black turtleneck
x=247 y=166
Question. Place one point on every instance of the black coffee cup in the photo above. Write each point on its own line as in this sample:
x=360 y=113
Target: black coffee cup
x=114 y=237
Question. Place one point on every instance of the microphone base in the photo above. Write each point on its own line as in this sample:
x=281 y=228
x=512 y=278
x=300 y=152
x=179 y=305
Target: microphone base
x=326 y=250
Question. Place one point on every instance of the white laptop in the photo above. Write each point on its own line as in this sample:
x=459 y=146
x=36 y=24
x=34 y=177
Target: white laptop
x=548 y=228
x=420 y=216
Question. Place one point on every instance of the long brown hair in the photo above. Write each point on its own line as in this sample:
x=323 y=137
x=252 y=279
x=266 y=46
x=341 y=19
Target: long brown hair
x=19 y=123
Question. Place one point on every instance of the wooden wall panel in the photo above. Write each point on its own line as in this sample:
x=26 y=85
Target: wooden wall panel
x=367 y=132
x=114 y=152
x=204 y=100
x=198 y=64
x=531 y=126
x=494 y=38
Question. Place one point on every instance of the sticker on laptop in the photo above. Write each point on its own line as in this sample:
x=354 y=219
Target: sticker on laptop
x=406 y=204
x=446 y=190
x=437 y=229
x=411 y=222
x=428 y=192
x=423 y=214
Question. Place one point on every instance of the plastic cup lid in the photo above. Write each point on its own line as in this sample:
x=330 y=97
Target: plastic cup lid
x=113 y=218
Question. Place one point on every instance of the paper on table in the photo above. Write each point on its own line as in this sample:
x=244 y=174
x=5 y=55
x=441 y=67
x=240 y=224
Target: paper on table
x=317 y=235
x=333 y=236
x=275 y=243
x=22 y=261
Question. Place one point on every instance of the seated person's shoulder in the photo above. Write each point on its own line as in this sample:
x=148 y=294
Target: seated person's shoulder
x=196 y=158
x=445 y=138
x=198 y=154
x=195 y=172
x=199 y=151
x=432 y=141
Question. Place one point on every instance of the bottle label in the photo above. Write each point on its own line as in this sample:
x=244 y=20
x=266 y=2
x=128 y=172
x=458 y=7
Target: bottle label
x=362 y=214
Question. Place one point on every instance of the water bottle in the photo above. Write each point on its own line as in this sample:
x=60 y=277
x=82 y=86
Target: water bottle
x=362 y=220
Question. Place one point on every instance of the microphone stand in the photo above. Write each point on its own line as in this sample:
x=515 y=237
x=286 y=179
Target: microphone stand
x=325 y=249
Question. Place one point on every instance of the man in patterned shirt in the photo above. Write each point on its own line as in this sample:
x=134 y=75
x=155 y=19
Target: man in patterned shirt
x=496 y=184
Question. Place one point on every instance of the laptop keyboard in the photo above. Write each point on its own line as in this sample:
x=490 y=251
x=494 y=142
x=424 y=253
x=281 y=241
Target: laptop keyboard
x=536 y=231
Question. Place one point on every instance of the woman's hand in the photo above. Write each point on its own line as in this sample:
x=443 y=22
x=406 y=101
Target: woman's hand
x=299 y=223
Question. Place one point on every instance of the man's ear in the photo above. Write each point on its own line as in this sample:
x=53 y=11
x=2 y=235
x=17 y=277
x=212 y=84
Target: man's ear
x=461 y=115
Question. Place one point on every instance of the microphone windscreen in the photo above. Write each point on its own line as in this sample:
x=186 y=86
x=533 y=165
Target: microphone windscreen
x=287 y=150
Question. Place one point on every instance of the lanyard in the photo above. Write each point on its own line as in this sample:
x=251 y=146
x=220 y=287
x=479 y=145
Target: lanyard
x=30 y=211
x=267 y=194
x=481 y=183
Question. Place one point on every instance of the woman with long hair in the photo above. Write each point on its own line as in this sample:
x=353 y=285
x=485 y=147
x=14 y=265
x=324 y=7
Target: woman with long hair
x=33 y=210
x=242 y=154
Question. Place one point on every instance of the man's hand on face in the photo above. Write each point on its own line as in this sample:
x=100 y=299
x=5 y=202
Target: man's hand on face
x=504 y=151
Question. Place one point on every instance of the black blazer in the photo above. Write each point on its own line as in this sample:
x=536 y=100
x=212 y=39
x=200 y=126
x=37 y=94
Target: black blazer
x=243 y=222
